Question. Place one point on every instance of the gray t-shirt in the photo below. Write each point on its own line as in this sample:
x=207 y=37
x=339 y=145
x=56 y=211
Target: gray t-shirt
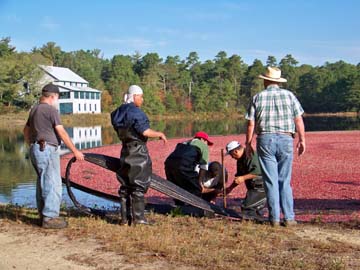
x=43 y=119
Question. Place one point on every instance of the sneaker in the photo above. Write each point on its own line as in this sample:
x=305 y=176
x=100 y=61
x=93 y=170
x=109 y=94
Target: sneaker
x=54 y=223
x=290 y=223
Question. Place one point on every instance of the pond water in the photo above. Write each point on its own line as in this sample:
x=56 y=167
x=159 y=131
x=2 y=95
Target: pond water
x=17 y=176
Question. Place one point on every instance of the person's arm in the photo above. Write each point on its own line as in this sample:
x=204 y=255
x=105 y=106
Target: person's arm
x=243 y=178
x=26 y=132
x=300 y=128
x=66 y=139
x=155 y=134
x=249 y=136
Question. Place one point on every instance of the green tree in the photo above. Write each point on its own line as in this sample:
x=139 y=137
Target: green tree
x=271 y=61
x=52 y=52
x=5 y=48
x=289 y=71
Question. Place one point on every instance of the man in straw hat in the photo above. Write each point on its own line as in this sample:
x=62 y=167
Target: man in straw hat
x=275 y=115
x=133 y=128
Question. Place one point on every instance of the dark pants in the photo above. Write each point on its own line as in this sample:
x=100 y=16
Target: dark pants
x=255 y=196
x=135 y=169
x=183 y=175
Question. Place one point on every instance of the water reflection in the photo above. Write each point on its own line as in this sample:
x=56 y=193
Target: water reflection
x=83 y=138
x=17 y=176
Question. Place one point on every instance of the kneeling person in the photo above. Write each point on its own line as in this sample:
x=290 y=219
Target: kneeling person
x=248 y=171
x=187 y=166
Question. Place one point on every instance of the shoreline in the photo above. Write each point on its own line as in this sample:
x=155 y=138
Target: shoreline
x=18 y=120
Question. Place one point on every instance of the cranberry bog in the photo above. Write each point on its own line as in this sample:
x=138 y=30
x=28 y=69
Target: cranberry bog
x=325 y=180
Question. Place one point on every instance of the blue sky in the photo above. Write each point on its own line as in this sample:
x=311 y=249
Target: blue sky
x=313 y=31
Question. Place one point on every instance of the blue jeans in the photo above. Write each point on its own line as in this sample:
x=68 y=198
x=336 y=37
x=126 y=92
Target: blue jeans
x=276 y=155
x=48 y=184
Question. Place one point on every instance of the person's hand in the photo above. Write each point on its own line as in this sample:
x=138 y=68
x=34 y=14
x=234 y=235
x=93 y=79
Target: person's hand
x=79 y=155
x=163 y=137
x=239 y=179
x=300 y=147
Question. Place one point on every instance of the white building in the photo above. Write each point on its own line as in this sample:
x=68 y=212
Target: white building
x=75 y=94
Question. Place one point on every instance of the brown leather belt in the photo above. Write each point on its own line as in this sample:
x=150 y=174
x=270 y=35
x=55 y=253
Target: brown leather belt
x=43 y=143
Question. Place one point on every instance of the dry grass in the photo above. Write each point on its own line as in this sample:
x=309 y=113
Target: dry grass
x=213 y=243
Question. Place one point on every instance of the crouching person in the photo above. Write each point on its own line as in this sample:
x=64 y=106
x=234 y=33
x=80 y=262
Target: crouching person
x=133 y=128
x=188 y=167
x=248 y=171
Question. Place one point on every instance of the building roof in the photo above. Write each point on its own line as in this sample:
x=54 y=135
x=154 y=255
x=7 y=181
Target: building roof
x=74 y=88
x=63 y=74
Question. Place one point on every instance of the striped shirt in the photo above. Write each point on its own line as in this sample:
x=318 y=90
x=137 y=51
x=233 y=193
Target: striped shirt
x=274 y=110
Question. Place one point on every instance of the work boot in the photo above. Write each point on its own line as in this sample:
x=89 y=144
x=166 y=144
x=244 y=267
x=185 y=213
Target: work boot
x=290 y=223
x=54 y=223
x=125 y=211
x=138 y=207
x=274 y=224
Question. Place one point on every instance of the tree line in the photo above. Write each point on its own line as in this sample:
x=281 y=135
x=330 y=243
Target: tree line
x=173 y=85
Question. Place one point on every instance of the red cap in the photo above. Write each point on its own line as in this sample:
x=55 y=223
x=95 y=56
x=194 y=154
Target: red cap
x=203 y=135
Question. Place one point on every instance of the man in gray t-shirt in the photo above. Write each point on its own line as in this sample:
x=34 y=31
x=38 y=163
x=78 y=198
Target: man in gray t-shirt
x=43 y=132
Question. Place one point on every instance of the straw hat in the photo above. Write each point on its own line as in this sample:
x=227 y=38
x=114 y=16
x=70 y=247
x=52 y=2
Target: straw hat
x=273 y=74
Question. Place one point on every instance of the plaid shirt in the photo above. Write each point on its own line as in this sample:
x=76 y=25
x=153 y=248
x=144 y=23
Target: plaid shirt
x=274 y=110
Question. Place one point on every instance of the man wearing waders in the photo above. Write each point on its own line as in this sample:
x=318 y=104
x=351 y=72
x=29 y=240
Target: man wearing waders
x=134 y=174
x=188 y=167
x=248 y=171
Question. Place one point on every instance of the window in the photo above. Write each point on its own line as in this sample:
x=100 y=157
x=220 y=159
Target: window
x=95 y=107
x=87 y=95
x=90 y=107
x=76 y=94
x=97 y=95
x=79 y=107
x=64 y=95
x=79 y=133
x=93 y=95
x=82 y=95
x=84 y=107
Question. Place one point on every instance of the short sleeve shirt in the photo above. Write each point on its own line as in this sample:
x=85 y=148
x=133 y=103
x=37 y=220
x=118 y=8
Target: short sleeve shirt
x=43 y=119
x=204 y=150
x=274 y=110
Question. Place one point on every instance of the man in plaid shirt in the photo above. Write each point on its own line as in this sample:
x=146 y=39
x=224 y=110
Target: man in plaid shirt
x=276 y=114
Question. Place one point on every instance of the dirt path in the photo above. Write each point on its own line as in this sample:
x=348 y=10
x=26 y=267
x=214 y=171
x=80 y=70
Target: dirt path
x=28 y=247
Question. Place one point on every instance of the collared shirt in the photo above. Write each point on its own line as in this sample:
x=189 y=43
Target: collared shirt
x=274 y=110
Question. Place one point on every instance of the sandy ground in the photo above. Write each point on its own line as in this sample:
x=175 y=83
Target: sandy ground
x=28 y=247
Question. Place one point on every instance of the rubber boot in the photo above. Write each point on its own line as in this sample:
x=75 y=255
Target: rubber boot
x=138 y=207
x=125 y=211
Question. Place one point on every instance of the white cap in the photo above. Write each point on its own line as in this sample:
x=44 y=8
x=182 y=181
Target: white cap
x=135 y=90
x=231 y=146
